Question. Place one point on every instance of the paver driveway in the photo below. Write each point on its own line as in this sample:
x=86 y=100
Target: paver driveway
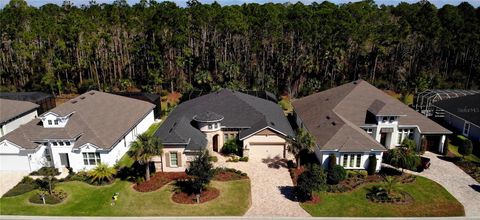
x=8 y=179
x=272 y=187
x=457 y=182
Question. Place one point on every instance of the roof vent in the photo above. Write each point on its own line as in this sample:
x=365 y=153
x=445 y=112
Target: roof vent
x=74 y=101
x=272 y=123
x=326 y=99
x=328 y=117
x=355 y=82
x=83 y=97
x=91 y=93
x=333 y=123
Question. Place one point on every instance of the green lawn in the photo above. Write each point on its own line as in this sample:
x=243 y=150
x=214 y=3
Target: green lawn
x=431 y=199
x=454 y=150
x=87 y=200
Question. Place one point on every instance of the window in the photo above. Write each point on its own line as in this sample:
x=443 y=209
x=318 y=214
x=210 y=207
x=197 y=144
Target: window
x=466 y=128
x=369 y=131
x=216 y=125
x=173 y=159
x=358 y=160
x=91 y=159
x=384 y=119
x=47 y=154
x=54 y=143
x=55 y=121
x=345 y=160
x=225 y=137
x=209 y=126
x=352 y=160
x=67 y=143
x=61 y=143
x=49 y=122
x=391 y=119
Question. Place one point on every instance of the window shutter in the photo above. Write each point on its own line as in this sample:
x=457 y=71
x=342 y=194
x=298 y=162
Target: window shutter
x=179 y=158
x=167 y=159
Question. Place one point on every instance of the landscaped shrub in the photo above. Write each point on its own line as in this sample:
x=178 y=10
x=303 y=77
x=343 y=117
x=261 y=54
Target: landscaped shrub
x=228 y=174
x=465 y=148
x=312 y=179
x=332 y=161
x=362 y=174
x=81 y=176
x=409 y=144
x=285 y=104
x=233 y=159
x=372 y=165
x=243 y=159
x=230 y=147
x=291 y=164
x=403 y=158
x=102 y=174
x=201 y=171
x=55 y=197
x=20 y=189
x=213 y=158
x=336 y=174
x=46 y=171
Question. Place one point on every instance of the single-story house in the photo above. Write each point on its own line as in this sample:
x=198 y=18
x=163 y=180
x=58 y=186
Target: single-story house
x=148 y=97
x=356 y=120
x=462 y=115
x=44 y=100
x=15 y=113
x=207 y=122
x=92 y=128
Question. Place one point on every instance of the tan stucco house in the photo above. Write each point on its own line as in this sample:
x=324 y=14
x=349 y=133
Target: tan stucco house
x=207 y=122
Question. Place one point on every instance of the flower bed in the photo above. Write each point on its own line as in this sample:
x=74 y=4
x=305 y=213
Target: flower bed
x=378 y=195
x=471 y=168
x=206 y=195
x=228 y=174
x=159 y=180
x=56 y=197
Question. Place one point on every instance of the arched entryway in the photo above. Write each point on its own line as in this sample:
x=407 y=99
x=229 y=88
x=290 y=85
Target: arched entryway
x=215 y=143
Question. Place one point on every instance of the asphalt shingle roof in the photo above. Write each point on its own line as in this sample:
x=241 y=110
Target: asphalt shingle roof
x=239 y=110
x=466 y=107
x=10 y=109
x=334 y=116
x=101 y=119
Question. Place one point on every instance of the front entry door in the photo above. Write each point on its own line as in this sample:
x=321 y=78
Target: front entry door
x=64 y=160
x=215 y=143
x=383 y=139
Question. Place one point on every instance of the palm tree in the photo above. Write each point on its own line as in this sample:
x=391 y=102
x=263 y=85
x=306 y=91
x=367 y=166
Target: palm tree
x=303 y=142
x=390 y=184
x=143 y=149
x=102 y=173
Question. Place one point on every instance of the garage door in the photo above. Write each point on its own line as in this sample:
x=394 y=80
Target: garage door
x=264 y=151
x=14 y=163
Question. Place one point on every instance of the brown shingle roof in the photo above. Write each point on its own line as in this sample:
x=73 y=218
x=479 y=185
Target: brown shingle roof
x=347 y=105
x=98 y=118
x=10 y=109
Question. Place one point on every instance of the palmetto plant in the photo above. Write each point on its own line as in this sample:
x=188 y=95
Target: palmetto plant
x=303 y=142
x=102 y=173
x=143 y=149
x=390 y=184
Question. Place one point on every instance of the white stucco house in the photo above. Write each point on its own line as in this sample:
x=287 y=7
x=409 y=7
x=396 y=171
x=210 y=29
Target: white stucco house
x=207 y=122
x=356 y=120
x=92 y=128
x=15 y=113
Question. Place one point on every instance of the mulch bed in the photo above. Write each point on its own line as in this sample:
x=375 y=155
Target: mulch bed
x=315 y=200
x=159 y=180
x=206 y=195
x=228 y=176
x=294 y=173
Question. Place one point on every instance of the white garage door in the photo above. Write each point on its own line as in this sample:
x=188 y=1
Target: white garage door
x=265 y=151
x=14 y=163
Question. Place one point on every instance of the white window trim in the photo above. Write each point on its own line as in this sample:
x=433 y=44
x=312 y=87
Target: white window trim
x=171 y=159
x=95 y=154
x=349 y=156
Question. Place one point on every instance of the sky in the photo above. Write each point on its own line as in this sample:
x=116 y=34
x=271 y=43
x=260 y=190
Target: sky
x=438 y=3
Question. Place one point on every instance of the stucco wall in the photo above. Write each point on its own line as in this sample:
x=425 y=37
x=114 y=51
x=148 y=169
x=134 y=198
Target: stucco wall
x=12 y=125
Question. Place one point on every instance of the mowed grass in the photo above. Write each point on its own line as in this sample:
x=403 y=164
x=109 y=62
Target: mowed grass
x=87 y=200
x=431 y=199
x=127 y=161
x=454 y=150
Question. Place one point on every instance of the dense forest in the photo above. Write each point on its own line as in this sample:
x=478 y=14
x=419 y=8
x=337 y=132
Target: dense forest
x=284 y=48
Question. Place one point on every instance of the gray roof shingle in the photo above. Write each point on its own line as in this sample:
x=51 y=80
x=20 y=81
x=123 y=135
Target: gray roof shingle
x=10 y=109
x=334 y=116
x=101 y=119
x=239 y=110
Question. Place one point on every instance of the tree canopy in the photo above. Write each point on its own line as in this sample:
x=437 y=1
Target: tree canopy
x=285 y=48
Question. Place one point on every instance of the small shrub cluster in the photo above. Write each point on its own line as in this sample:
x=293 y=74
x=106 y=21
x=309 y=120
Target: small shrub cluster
x=230 y=147
x=336 y=174
x=472 y=169
x=291 y=164
x=228 y=174
x=213 y=159
x=236 y=159
x=312 y=179
x=55 y=197
x=378 y=194
x=26 y=185
x=81 y=176
x=46 y=171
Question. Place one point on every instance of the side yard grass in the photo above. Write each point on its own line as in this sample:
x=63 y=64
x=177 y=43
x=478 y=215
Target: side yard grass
x=454 y=150
x=431 y=199
x=87 y=200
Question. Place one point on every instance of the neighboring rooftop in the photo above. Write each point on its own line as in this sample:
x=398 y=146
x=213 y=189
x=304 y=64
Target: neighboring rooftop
x=424 y=100
x=25 y=96
x=239 y=111
x=101 y=119
x=465 y=107
x=334 y=116
x=10 y=109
